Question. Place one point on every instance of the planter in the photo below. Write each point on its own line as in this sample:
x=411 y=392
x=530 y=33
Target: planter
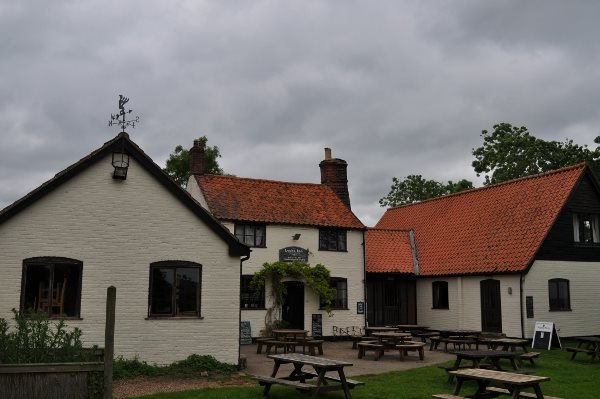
x=52 y=380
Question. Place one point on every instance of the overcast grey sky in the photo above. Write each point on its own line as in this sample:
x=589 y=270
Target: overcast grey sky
x=393 y=87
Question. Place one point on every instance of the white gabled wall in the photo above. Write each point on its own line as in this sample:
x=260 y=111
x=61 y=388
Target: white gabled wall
x=349 y=265
x=584 y=280
x=117 y=228
x=465 y=303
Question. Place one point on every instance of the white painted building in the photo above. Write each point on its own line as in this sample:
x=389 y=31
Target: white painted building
x=312 y=219
x=495 y=259
x=176 y=268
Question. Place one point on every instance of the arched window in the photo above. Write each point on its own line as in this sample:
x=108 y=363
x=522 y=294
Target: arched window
x=440 y=294
x=559 y=296
x=175 y=289
x=52 y=285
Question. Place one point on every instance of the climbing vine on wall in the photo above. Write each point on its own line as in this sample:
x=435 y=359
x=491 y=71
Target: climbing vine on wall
x=315 y=277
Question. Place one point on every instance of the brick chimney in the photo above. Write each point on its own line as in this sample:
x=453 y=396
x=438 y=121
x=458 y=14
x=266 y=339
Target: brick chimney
x=197 y=158
x=334 y=175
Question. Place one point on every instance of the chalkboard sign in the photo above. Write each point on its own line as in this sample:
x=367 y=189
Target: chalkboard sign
x=245 y=333
x=545 y=336
x=317 y=325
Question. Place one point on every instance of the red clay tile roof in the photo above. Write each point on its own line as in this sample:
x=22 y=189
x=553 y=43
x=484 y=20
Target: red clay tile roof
x=268 y=201
x=495 y=229
x=388 y=251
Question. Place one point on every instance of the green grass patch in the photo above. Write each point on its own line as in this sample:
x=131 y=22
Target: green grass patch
x=568 y=379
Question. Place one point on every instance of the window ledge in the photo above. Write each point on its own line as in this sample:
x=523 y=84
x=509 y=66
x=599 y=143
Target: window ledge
x=174 y=318
x=333 y=250
x=587 y=244
x=323 y=309
x=560 y=310
x=253 y=308
x=440 y=308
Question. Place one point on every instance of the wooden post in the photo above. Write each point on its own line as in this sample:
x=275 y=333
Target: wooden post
x=109 y=340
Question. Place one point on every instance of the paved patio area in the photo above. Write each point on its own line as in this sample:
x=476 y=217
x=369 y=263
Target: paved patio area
x=342 y=350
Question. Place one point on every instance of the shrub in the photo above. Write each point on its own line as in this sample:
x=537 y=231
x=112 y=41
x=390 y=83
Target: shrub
x=35 y=339
x=191 y=366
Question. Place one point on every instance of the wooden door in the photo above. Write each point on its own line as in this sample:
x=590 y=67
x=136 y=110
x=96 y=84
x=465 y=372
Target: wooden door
x=491 y=307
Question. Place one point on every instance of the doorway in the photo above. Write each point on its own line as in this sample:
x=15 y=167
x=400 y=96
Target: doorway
x=292 y=311
x=491 y=307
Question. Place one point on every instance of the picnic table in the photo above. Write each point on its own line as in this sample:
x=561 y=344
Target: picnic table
x=392 y=336
x=297 y=378
x=512 y=384
x=478 y=357
x=410 y=327
x=371 y=330
x=589 y=345
x=513 y=344
x=289 y=334
x=457 y=337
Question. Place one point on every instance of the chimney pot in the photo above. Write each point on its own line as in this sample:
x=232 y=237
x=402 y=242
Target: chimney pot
x=197 y=158
x=334 y=175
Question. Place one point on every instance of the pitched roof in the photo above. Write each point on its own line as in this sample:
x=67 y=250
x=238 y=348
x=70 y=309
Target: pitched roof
x=119 y=143
x=494 y=229
x=269 y=201
x=388 y=251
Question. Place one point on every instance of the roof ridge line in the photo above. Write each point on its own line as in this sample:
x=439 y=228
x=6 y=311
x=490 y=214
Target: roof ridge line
x=512 y=181
x=259 y=179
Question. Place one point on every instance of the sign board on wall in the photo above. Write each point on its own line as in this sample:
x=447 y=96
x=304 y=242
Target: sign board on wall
x=245 y=333
x=291 y=254
x=317 y=325
x=545 y=336
x=360 y=308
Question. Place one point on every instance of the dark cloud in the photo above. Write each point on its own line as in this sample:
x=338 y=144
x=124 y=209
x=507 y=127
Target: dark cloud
x=395 y=88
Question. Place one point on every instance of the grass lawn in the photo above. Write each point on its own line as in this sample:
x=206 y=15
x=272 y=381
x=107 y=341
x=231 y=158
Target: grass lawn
x=577 y=379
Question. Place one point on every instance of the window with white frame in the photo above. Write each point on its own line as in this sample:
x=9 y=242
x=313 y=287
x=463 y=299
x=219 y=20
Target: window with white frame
x=251 y=234
x=585 y=228
x=559 y=296
x=340 y=299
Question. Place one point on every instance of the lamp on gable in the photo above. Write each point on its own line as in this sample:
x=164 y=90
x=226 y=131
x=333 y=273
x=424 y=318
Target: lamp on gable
x=120 y=161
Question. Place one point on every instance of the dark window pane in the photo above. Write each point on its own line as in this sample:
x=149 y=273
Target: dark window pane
x=558 y=294
x=250 y=234
x=248 y=298
x=340 y=299
x=440 y=294
x=332 y=240
x=52 y=285
x=162 y=291
x=188 y=280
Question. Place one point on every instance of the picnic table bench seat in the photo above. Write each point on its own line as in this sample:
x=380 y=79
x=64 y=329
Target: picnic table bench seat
x=370 y=346
x=426 y=334
x=579 y=350
x=461 y=343
x=447 y=396
x=287 y=346
x=312 y=344
x=403 y=348
x=266 y=380
x=260 y=342
x=504 y=391
x=529 y=356
x=351 y=383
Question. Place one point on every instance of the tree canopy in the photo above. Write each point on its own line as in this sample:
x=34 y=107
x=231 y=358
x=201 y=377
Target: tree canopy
x=178 y=164
x=415 y=188
x=509 y=152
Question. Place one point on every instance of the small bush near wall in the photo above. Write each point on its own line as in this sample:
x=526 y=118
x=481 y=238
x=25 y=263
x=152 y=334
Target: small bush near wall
x=192 y=365
x=35 y=339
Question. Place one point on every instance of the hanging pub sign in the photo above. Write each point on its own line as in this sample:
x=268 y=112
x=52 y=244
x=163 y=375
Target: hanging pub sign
x=545 y=336
x=292 y=254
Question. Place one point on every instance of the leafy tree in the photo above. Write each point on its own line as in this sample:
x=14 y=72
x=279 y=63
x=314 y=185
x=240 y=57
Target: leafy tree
x=178 y=164
x=509 y=152
x=414 y=188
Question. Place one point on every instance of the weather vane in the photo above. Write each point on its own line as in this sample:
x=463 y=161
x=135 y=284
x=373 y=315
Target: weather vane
x=120 y=118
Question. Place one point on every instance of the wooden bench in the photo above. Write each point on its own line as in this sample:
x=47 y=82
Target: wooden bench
x=351 y=383
x=260 y=342
x=579 y=350
x=266 y=380
x=311 y=344
x=529 y=356
x=504 y=391
x=447 y=396
x=288 y=346
x=426 y=334
x=413 y=346
x=367 y=346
